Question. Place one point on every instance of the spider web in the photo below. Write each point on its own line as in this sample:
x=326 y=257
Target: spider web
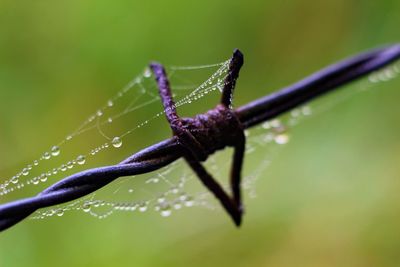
x=134 y=119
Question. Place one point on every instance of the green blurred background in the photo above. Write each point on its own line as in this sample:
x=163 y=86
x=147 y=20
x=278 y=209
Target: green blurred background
x=330 y=198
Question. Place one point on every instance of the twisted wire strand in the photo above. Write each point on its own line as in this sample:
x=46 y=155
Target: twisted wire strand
x=169 y=150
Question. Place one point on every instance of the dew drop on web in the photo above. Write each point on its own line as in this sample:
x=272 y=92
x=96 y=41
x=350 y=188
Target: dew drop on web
x=81 y=159
x=55 y=151
x=116 y=142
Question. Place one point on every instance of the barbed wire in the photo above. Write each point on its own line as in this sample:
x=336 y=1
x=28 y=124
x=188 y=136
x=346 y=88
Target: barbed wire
x=163 y=153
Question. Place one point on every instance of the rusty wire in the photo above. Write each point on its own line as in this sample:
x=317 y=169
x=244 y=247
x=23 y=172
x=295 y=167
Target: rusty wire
x=169 y=150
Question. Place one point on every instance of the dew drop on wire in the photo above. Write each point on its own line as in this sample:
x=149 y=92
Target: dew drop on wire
x=117 y=142
x=81 y=159
x=55 y=151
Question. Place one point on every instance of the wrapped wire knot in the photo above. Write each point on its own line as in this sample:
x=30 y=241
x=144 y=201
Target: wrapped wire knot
x=214 y=130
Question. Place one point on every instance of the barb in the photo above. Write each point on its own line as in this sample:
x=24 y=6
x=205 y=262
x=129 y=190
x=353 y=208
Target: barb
x=167 y=151
x=206 y=133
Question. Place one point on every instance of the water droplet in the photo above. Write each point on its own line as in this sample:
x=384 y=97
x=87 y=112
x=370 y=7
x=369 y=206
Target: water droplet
x=295 y=113
x=43 y=177
x=266 y=125
x=51 y=213
x=177 y=205
x=189 y=201
x=183 y=197
x=252 y=194
x=60 y=212
x=130 y=190
x=63 y=167
x=157 y=207
x=86 y=207
x=147 y=73
x=142 y=207
x=55 y=151
x=81 y=159
x=69 y=137
x=174 y=190
x=35 y=181
x=161 y=199
x=25 y=171
x=46 y=155
x=165 y=209
x=110 y=103
x=110 y=120
x=373 y=78
x=14 y=180
x=70 y=165
x=36 y=163
x=275 y=123
x=117 y=142
x=306 y=111
x=99 y=113
x=281 y=139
